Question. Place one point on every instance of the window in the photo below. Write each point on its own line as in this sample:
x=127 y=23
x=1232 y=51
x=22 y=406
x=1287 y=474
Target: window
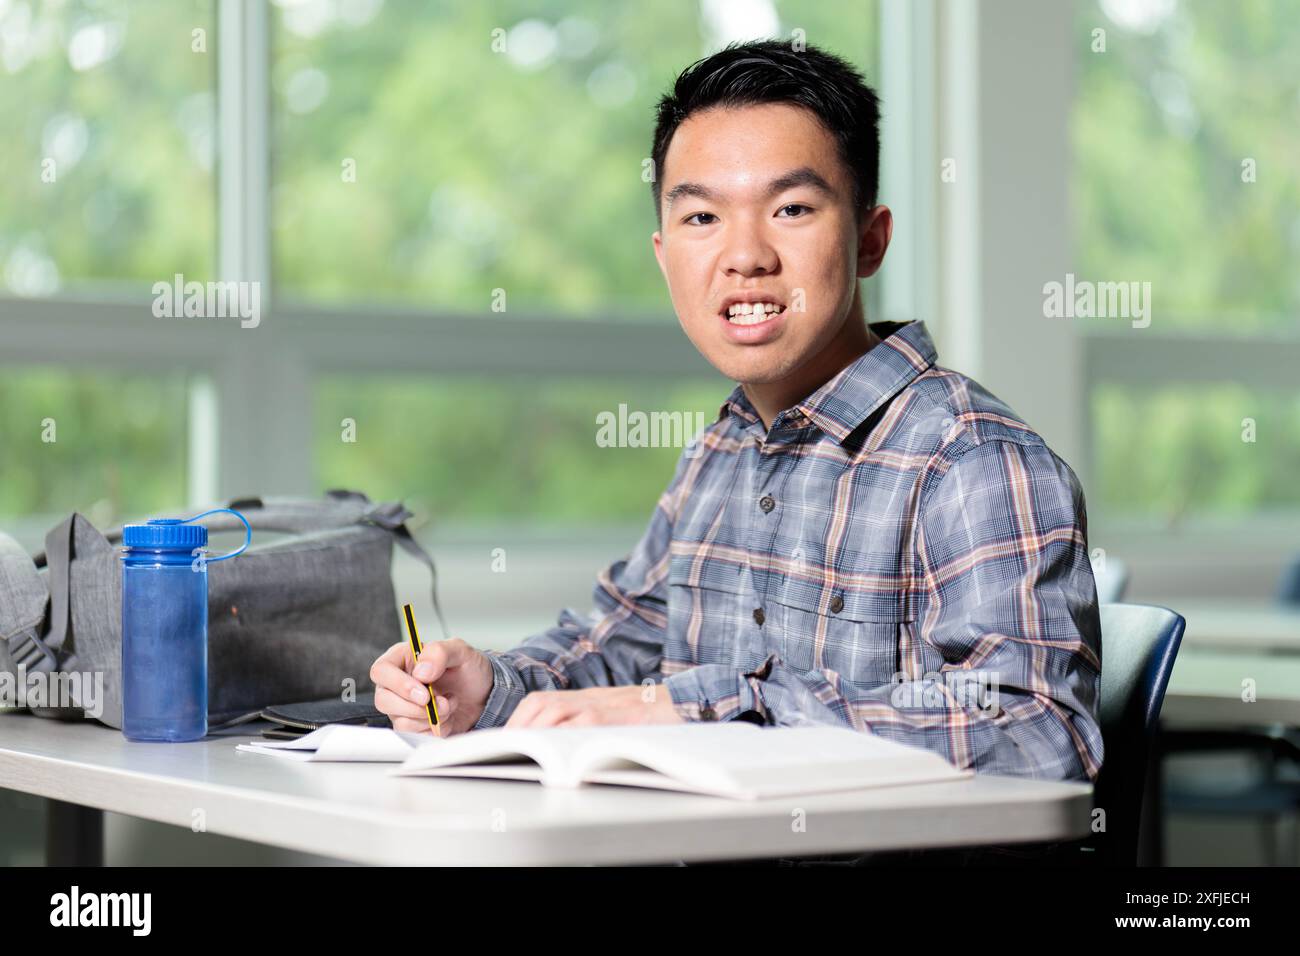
x=392 y=186
x=103 y=443
x=434 y=153
x=468 y=449
x=108 y=111
x=108 y=115
x=1187 y=450
x=414 y=169
x=1185 y=132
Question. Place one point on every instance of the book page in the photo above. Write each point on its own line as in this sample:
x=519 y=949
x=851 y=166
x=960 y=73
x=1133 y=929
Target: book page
x=552 y=749
x=769 y=761
x=342 y=742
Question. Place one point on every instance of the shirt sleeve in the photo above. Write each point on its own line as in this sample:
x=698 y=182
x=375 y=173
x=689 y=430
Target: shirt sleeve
x=1005 y=595
x=621 y=642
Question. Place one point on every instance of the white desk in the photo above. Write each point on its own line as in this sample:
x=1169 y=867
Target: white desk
x=355 y=812
x=1225 y=642
x=1205 y=689
x=1240 y=625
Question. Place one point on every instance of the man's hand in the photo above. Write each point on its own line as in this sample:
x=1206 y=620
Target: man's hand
x=593 y=706
x=461 y=677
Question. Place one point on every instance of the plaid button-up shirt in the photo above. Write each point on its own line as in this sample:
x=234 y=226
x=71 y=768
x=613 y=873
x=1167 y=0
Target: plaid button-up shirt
x=899 y=554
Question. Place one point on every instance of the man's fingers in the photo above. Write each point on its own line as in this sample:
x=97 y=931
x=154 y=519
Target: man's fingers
x=552 y=716
x=389 y=703
x=390 y=670
x=408 y=725
x=583 y=718
x=416 y=720
x=399 y=654
x=386 y=702
x=395 y=668
x=542 y=709
x=438 y=656
x=524 y=710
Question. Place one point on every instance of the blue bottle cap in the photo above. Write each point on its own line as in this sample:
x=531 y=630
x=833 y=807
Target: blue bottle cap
x=165 y=533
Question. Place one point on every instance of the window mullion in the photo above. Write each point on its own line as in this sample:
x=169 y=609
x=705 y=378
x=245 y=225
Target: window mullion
x=262 y=388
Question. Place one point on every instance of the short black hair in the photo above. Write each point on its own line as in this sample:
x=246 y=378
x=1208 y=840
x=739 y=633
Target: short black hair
x=772 y=71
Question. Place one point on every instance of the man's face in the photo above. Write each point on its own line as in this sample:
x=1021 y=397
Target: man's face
x=757 y=204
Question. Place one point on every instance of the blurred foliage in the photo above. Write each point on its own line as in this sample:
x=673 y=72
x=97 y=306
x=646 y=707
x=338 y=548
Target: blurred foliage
x=1162 y=124
x=476 y=169
x=113 y=94
x=1177 y=450
x=118 y=444
x=1164 y=118
x=521 y=169
x=476 y=448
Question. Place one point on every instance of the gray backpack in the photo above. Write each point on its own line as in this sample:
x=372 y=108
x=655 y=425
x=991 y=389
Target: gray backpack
x=291 y=619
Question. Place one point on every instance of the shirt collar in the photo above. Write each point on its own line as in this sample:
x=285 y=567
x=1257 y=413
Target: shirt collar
x=851 y=396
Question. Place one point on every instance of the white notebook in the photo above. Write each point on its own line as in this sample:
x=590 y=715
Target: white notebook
x=737 y=759
x=342 y=742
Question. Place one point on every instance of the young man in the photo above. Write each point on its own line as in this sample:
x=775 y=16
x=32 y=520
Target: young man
x=863 y=538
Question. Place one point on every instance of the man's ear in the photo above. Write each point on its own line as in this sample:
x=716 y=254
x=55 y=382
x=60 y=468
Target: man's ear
x=875 y=230
x=657 y=241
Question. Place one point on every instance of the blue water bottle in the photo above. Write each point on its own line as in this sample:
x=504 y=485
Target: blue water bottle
x=165 y=627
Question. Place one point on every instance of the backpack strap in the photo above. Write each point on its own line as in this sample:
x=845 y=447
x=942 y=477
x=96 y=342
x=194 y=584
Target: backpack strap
x=392 y=516
x=283 y=515
x=22 y=612
x=58 y=557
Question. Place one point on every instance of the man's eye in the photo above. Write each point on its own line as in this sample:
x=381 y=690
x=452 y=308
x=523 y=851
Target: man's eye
x=803 y=210
x=697 y=215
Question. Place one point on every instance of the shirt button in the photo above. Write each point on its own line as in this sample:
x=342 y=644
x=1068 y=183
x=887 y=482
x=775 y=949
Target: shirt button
x=767 y=502
x=708 y=713
x=837 y=604
x=759 y=616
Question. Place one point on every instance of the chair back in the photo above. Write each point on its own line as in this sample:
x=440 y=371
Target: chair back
x=1138 y=645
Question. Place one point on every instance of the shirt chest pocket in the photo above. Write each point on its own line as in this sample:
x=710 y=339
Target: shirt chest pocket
x=716 y=618
x=855 y=634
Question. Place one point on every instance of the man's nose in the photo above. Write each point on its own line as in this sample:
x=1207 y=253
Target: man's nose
x=747 y=252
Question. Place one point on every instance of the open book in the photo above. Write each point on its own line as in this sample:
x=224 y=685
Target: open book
x=342 y=742
x=733 y=759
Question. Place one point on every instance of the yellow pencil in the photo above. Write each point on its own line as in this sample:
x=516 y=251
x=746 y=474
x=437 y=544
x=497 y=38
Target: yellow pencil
x=431 y=706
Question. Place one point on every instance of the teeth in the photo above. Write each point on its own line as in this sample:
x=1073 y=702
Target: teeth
x=751 y=313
